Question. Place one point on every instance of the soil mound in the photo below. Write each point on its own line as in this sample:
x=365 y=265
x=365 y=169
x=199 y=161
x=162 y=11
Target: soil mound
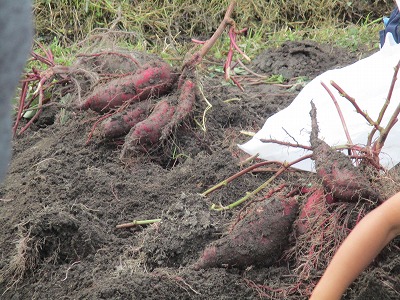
x=62 y=200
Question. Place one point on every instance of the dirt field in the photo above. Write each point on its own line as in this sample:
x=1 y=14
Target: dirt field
x=62 y=200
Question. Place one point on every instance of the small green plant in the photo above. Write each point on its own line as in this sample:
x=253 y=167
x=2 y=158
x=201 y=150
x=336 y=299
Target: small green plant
x=275 y=79
x=176 y=154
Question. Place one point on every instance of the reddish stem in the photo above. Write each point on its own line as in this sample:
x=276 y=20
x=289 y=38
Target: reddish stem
x=393 y=120
x=354 y=103
x=226 y=21
x=233 y=177
x=235 y=81
x=47 y=52
x=31 y=121
x=390 y=93
x=346 y=131
x=22 y=98
x=42 y=59
x=285 y=144
x=198 y=42
x=233 y=42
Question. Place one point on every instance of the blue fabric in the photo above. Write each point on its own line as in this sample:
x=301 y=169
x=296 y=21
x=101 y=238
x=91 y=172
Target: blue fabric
x=392 y=25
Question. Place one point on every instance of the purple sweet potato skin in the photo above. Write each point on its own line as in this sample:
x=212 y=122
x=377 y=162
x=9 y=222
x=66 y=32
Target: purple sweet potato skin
x=120 y=124
x=186 y=101
x=315 y=205
x=148 y=131
x=340 y=177
x=184 y=107
x=152 y=79
x=338 y=174
x=111 y=95
x=259 y=239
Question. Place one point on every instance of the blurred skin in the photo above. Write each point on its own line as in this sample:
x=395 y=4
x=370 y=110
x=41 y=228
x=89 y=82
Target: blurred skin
x=15 y=43
x=359 y=249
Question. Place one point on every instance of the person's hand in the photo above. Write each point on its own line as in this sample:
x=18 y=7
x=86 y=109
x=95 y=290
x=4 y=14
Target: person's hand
x=358 y=250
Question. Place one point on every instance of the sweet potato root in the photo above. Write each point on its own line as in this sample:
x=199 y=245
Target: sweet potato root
x=338 y=174
x=120 y=124
x=258 y=239
x=152 y=79
x=149 y=130
x=185 y=105
x=315 y=204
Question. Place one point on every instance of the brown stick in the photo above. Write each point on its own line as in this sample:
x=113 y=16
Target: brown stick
x=285 y=144
x=198 y=56
x=135 y=223
x=284 y=167
x=233 y=177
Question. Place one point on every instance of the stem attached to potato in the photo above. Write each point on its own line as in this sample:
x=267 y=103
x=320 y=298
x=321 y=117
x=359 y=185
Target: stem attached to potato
x=249 y=195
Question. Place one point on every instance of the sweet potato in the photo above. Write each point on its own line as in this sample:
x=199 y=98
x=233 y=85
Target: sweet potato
x=258 y=239
x=315 y=204
x=338 y=174
x=185 y=105
x=149 y=130
x=152 y=79
x=120 y=124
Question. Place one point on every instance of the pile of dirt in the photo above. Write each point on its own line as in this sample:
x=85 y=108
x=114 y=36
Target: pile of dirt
x=301 y=59
x=62 y=200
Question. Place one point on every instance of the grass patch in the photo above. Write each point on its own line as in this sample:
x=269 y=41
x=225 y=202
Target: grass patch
x=354 y=37
x=72 y=20
x=166 y=27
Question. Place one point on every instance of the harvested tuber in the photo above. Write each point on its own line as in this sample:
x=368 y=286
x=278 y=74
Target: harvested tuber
x=152 y=79
x=149 y=130
x=258 y=239
x=120 y=124
x=338 y=174
x=314 y=206
x=185 y=105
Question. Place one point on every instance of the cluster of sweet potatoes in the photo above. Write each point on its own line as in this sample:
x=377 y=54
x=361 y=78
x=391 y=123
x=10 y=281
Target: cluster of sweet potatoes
x=131 y=105
x=260 y=238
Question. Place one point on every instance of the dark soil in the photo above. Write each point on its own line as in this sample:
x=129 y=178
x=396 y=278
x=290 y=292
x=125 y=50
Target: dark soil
x=62 y=200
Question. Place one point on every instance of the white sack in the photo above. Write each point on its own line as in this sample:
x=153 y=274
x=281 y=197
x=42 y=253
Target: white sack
x=367 y=80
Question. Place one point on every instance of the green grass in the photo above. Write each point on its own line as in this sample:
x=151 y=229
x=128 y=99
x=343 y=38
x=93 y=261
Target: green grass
x=353 y=37
x=165 y=27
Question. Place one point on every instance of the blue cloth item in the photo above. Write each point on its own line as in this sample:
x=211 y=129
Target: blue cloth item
x=392 y=25
x=385 y=21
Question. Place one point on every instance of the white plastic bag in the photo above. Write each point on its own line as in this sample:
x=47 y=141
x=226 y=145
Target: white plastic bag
x=367 y=81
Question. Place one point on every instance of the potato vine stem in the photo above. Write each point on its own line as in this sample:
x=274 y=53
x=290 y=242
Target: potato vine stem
x=284 y=167
x=354 y=103
x=140 y=222
x=233 y=177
